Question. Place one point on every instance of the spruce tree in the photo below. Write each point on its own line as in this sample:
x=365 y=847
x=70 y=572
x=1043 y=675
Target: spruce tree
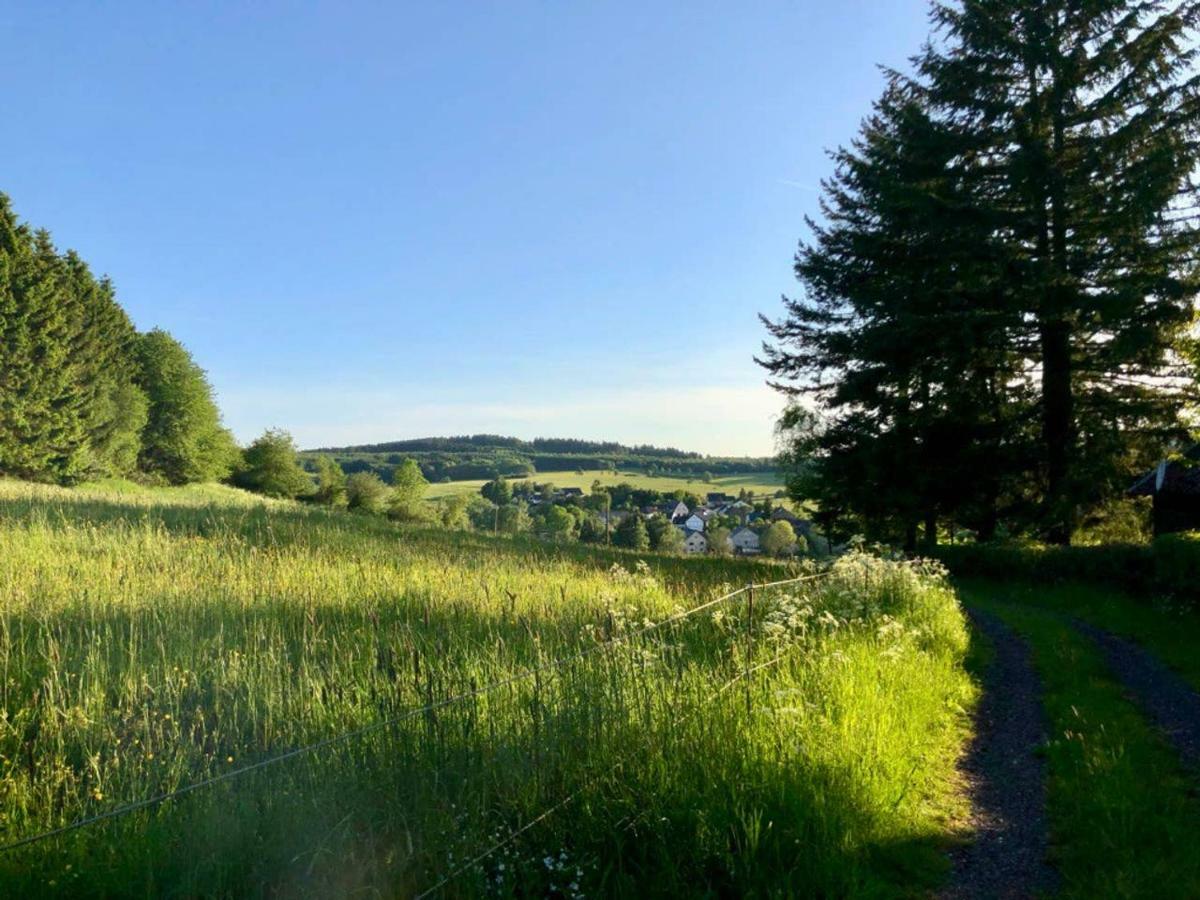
x=893 y=339
x=1081 y=119
x=42 y=431
x=997 y=304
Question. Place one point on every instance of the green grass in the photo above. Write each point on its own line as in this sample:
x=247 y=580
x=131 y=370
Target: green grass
x=1169 y=630
x=1124 y=819
x=152 y=638
x=761 y=483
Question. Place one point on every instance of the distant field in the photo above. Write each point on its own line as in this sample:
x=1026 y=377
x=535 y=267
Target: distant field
x=758 y=482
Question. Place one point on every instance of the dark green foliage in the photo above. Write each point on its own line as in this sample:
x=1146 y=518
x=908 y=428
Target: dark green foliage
x=366 y=492
x=68 y=405
x=1170 y=566
x=331 y=482
x=270 y=466
x=183 y=441
x=454 y=512
x=513 y=519
x=664 y=537
x=591 y=531
x=499 y=491
x=631 y=533
x=407 y=501
x=995 y=309
x=657 y=526
x=485 y=456
x=557 y=524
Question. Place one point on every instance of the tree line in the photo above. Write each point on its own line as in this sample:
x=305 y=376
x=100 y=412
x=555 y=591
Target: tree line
x=82 y=393
x=995 y=327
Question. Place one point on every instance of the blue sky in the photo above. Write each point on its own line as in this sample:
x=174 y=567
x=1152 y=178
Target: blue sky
x=372 y=221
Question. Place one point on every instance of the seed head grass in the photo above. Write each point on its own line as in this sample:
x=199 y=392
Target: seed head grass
x=150 y=639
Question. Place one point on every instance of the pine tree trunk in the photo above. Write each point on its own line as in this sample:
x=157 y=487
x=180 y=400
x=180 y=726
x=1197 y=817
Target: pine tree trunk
x=1057 y=388
x=931 y=538
x=1057 y=415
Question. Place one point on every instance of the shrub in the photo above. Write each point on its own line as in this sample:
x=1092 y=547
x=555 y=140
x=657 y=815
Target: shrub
x=366 y=492
x=271 y=466
x=331 y=482
x=1169 y=565
x=407 y=501
x=1177 y=565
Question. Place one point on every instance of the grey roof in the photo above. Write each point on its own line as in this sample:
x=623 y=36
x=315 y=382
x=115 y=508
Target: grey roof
x=1180 y=476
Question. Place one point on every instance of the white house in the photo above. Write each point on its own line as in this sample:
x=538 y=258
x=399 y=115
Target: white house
x=694 y=542
x=697 y=520
x=745 y=541
x=677 y=512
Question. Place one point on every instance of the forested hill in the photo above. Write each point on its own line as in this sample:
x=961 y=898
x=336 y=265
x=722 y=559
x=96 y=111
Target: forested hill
x=488 y=455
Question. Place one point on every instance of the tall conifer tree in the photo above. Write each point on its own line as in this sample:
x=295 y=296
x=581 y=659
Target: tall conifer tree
x=1082 y=119
x=998 y=298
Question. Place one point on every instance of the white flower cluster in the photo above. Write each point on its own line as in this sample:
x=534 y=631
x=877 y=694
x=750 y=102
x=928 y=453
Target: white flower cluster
x=512 y=871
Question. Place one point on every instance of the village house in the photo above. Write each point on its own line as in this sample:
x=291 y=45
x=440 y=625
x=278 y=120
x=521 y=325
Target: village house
x=1174 y=487
x=698 y=519
x=694 y=541
x=745 y=541
x=676 y=512
x=802 y=527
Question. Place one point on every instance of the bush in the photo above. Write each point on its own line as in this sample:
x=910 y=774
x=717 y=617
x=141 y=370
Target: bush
x=1170 y=565
x=271 y=466
x=1177 y=565
x=366 y=492
x=331 y=482
x=407 y=500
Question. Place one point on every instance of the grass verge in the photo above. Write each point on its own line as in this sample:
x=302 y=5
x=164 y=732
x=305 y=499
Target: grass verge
x=1124 y=818
x=1170 y=630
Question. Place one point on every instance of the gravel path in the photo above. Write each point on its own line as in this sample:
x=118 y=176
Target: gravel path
x=1006 y=779
x=1168 y=700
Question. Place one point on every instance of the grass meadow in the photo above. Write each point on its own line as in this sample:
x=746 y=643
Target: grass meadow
x=760 y=483
x=150 y=639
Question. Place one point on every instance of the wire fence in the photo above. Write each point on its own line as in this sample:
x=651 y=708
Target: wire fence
x=510 y=838
x=527 y=674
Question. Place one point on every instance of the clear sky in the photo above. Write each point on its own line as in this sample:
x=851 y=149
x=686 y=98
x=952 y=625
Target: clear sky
x=372 y=221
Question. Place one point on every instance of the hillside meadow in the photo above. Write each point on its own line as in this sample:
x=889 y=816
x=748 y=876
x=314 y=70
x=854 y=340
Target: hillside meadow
x=605 y=742
x=759 y=483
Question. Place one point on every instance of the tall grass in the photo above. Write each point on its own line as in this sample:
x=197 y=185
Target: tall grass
x=149 y=640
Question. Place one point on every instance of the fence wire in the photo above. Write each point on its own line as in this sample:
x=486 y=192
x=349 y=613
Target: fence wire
x=525 y=675
x=508 y=839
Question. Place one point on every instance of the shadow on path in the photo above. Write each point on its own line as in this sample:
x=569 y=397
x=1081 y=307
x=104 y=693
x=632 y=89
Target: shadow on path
x=1006 y=778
